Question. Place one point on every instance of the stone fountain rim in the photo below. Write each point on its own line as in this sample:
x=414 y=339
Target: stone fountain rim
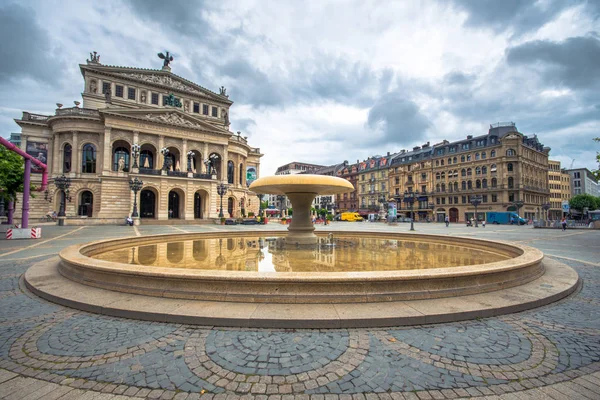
x=301 y=183
x=76 y=257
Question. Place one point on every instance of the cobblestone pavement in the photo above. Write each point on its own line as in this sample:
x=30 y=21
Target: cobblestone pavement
x=49 y=351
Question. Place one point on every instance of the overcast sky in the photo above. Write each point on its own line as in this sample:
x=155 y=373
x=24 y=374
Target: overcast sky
x=327 y=81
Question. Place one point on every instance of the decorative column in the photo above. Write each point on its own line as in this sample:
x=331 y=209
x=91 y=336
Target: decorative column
x=205 y=151
x=106 y=151
x=56 y=155
x=225 y=160
x=159 y=156
x=183 y=161
x=75 y=156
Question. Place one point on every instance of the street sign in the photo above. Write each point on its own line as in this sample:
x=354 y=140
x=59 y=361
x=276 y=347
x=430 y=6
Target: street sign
x=565 y=206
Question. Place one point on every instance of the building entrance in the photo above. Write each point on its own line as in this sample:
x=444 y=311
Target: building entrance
x=147 y=204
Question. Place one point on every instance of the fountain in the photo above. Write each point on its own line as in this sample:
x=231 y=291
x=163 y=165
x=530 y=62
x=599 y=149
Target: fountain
x=301 y=190
x=301 y=278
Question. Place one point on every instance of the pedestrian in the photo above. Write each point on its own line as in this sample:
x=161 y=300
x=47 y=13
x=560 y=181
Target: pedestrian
x=483 y=223
x=170 y=213
x=447 y=219
x=563 y=222
x=129 y=220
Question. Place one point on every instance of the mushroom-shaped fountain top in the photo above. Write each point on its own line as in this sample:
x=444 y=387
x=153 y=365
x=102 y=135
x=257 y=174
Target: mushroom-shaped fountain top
x=301 y=190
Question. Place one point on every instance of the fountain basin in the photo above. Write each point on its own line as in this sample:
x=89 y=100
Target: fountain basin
x=522 y=264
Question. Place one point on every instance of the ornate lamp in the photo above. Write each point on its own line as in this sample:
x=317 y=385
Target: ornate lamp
x=476 y=200
x=166 y=159
x=62 y=183
x=135 y=185
x=190 y=156
x=135 y=153
x=221 y=190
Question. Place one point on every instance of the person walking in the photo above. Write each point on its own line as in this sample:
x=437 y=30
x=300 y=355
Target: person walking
x=447 y=220
x=563 y=222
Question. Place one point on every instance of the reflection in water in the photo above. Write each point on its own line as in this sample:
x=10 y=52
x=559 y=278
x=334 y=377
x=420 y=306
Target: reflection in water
x=261 y=254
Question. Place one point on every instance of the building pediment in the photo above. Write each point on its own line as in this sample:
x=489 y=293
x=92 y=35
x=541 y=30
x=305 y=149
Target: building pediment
x=171 y=117
x=158 y=78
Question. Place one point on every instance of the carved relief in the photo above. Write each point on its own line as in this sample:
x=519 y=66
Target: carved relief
x=93 y=86
x=163 y=80
x=172 y=118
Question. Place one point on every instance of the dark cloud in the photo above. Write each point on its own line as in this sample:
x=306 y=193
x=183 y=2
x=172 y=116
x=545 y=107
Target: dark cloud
x=184 y=17
x=518 y=15
x=26 y=48
x=398 y=118
x=244 y=125
x=573 y=63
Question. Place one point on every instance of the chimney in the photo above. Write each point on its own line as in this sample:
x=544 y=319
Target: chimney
x=416 y=148
x=469 y=136
x=388 y=153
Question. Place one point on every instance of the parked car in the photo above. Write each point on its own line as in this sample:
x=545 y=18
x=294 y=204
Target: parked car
x=230 y=221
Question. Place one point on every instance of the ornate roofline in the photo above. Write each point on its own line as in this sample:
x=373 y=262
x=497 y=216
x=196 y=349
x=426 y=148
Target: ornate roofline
x=119 y=72
x=165 y=116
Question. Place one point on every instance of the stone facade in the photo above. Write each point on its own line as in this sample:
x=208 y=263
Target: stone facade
x=123 y=107
x=559 y=183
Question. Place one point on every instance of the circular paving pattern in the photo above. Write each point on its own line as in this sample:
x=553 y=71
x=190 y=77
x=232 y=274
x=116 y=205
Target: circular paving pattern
x=511 y=353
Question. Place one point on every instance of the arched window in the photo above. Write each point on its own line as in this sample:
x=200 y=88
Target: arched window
x=455 y=160
x=511 y=182
x=443 y=176
x=437 y=163
x=469 y=185
x=121 y=159
x=437 y=176
x=494 y=182
x=456 y=186
x=86 y=204
x=493 y=168
x=442 y=162
x=88 y=159
x=483 y=155
x=468 y=157
x=477 y=156
x=478 y=184
x=449 y=161
x=484 y=170
x=493 y=153
x=443 y=187
x=478 y=171
x=456 y=173
x=463 y=172
x=67 y=155
x=463 y=185
x=146 y=159
x=437 y=187
x=510 y=152
x=241 y=174
x=462 y=158
x=230 y=168
x=484 y=183
x=509 y=167
x=469 y=172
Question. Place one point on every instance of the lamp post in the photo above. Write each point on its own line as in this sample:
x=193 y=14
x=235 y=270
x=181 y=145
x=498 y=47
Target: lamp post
x=260 y=200
x=325 y=204
x=476 y=200
x=135 y=153
x=546 y=207
x=409 y=197
x=62 y=183
x=166 y=159
x=221 y=190
x=135 y=185
x=190 y=156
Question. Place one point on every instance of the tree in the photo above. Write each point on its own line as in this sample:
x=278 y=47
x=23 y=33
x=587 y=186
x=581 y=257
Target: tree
x=582 y=201
x=12 y=173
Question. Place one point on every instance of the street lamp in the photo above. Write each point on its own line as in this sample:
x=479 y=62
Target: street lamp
x=190 y=156
x=409 y=197
x=166 y=159
x=260 y=200
x=221 y=190
x=62 y=183
x=546 y=207
x=135 y=185
x=476 y=200
x=135 y=153
x=280 y=199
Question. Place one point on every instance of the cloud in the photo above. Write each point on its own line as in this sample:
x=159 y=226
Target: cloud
x=574 y=62
x=26 y=48
x=397 y=119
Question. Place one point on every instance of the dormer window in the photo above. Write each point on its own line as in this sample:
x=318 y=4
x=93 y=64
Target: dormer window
x=465 y=146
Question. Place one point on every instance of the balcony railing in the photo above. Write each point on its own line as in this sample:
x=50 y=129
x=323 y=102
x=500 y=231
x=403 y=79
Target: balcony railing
x=76 y=111
x=180 y=174
x=149 y=171
x=203 y=176
x=27 y=116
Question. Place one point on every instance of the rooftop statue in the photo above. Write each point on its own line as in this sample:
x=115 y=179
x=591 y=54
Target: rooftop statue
x=94 y=58
x=168 y=58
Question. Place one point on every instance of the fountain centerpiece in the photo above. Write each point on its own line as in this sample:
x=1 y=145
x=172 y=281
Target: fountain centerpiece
x=301 y=190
